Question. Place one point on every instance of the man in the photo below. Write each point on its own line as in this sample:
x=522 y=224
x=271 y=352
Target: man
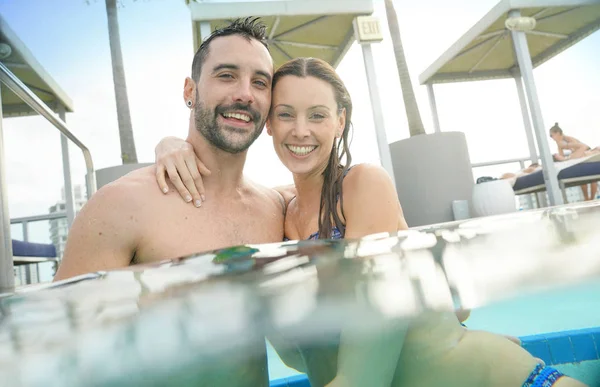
x=131 y=222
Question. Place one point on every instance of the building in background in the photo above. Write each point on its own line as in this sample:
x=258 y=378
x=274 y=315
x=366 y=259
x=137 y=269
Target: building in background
x=58 y=227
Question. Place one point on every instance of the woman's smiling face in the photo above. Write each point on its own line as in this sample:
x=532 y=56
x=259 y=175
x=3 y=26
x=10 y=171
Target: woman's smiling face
x=304 y=121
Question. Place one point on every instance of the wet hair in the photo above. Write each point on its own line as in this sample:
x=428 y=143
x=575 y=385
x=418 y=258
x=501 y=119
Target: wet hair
x=335 y=169
x=556 y=129
x=249 y=28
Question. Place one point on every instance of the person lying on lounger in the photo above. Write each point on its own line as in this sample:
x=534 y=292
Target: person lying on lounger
x=534 y=167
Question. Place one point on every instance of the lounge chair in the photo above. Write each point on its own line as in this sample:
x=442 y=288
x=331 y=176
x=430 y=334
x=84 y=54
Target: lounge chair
x=570 y=173
x=27 y=253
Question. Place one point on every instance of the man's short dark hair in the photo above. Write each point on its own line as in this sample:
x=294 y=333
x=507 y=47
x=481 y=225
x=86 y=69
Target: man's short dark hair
x=249 y=28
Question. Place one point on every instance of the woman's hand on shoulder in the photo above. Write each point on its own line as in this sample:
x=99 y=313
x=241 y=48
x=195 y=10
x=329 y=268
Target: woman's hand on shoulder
x=176 y=159
x=371 y=203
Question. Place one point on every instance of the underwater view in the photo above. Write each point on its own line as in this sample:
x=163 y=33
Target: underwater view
x=383 y=310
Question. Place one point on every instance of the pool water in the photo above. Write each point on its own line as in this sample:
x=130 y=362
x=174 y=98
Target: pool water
x=558 y=310
x=202 y=320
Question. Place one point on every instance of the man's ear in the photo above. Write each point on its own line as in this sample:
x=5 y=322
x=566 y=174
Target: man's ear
x=268 y=124
x=189 y=92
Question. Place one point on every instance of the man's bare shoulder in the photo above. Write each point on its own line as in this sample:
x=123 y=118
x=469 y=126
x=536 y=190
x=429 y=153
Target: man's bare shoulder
x=137 y=185
x=128 y=196
x=109 y=225
x=269 y=195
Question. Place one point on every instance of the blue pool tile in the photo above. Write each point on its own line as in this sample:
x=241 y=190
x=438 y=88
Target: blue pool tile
x=561 y=350
x=279 y=383
x=291 y=381
x=596 y=336
x=538 y=348
x=584 y=347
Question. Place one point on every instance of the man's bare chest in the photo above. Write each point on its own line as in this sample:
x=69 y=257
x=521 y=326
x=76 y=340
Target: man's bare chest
x=182 y=231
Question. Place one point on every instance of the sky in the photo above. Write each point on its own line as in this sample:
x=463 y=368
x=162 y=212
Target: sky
x=70 y=40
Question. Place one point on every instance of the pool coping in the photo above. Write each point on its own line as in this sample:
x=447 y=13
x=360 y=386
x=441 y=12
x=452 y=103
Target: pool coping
x=554 y=348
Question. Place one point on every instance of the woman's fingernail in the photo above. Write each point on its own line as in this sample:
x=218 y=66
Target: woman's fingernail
x=165 y=190
x=198 y=203
x=203 y=198
x=188 y=198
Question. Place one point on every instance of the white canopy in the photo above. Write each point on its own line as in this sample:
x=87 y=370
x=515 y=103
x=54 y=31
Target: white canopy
x=296 y=28
x=23 y=64
x=490 y=50
x=486 y=50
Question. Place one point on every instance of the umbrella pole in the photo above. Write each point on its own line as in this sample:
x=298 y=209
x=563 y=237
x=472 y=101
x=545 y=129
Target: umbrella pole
x=526 y=68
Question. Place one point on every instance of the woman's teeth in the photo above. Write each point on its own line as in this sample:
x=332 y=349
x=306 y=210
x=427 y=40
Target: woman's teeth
x=237 y=116
x=301 y=150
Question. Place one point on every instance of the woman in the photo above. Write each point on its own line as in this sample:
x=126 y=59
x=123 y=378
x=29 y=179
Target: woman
x=309 y=122
x=571 y=148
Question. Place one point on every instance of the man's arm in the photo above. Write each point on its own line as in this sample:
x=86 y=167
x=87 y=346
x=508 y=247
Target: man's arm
x=103 y=235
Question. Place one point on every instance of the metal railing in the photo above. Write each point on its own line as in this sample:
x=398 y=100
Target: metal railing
x=520 y=160
x=24 y=221
x=11 y=81
x=21 y=90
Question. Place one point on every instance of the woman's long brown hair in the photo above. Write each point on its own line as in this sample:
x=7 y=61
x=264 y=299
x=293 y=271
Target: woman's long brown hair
x=335 y=170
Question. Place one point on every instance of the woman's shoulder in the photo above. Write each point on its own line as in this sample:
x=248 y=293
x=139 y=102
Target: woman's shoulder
x=365 y=179
x=365 y=171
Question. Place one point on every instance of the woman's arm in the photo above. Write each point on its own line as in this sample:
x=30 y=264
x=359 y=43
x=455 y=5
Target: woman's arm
x=370 y=206
x=177 y=159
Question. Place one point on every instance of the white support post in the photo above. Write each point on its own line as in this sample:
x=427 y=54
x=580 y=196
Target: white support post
x=205 y=31
x=526 y=68
x=7 y=272
x=526 y=121
x=68 y=187
x=433 y=106
x=384 y=147
x=528 y=132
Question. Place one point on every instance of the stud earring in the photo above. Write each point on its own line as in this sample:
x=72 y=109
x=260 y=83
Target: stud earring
x=189 y=103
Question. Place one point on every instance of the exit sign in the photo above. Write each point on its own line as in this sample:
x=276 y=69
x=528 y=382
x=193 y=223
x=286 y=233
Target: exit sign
x=367 y=29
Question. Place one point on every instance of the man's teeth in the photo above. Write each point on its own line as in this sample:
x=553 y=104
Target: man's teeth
x=301 y=150
x=238 y=116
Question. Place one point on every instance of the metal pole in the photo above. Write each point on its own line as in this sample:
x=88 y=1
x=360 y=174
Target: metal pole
x=68 y=187
x=384 y=147
x=23 y=92
x=7 y=272
x=433 y=106
x=526 y=67
x=526 y=120
x=25 y=226
x=27 y=274
x=534 y=158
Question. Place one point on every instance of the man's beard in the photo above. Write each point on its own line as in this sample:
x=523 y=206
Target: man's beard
x=221 y=136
